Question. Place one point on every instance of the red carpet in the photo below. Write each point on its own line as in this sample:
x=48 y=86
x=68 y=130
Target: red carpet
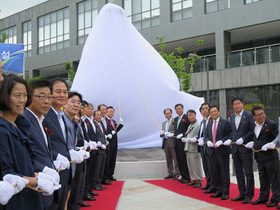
x=198 y=194
x=108 y=198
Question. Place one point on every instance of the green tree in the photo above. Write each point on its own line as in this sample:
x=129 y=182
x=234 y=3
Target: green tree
x=177 y=62
x=33 y=79
x=3 y=35
x=70 y=70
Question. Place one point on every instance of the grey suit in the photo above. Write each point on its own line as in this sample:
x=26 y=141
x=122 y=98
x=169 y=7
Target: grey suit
x=168 y=146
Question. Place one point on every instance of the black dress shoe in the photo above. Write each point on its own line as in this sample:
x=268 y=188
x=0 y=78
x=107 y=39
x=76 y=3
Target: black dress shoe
x=169 y=177
x=257 y=202
x=206 y=187
x=93 y=194
x=106 y=182
x=175 y=177
x=216 y=195
x=85 y=204
x=112 y=178
x=239 y=198
x=224 y=197
x=246 y=200
x=210 y=190
x=278 y=207
x=98 y=188
x=272 y=204
x=192 y=183
x=197 y=184
x=102 y=187
x=89 y=198
x=184 y=181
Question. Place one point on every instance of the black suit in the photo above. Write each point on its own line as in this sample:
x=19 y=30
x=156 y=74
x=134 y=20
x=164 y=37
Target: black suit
x=243 y=157
x=267 y=162
x=180 y=146
x=220 y=155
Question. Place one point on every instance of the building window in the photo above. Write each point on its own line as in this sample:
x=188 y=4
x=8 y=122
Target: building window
x=250 y=1
x=181 y=9
x=87 y=13
x=109 y=1
x=216 y=5
x=54 y=31
x=213 y=96
x=267 y=97
x=12 y=35
x=27 y=37
x=142 y=13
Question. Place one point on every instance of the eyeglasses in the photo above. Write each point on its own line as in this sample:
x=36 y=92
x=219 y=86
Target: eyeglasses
x=44 y=98
x=75 y=102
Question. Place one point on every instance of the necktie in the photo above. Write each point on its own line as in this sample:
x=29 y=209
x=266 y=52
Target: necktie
x=214 y=132
x=104 y=123
x=203 y=134
x=167 y=127
x=112 y=124
x=179 y=120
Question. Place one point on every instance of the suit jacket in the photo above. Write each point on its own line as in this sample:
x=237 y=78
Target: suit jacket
x=100 y=137
x=91 y=134
x=113 y=143
x=170 y=141
x=183 y=126
x=192 y=132
x=222 y=133
x=244 y=130
x=277 y=140
x=58 y=143
x=267 y=134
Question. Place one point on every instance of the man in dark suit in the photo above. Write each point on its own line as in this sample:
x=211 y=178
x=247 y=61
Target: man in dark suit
x=265 y=131
x=43 y=160
x=114 y=128
x=205 y=151
x=242 y=124
x=217 y=133
x=56 y=129
x=181 y=126
x=168 y=128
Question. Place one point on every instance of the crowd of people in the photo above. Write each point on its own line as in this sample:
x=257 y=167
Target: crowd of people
x=188 y=143
x=56 y=151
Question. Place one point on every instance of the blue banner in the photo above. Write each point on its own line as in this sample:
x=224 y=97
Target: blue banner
x=12 y=57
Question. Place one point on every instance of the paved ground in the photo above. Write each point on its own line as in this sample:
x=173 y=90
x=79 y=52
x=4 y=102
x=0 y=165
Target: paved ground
x=139 y=195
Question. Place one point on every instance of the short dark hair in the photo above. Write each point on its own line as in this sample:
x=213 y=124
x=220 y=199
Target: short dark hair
x=256 y=108
x=237 y=99
x=179 y=105
x=191 y=111
x=214 y=107
x=39 y=84
x=110 y=107
x=74 y=93
x=84 y=102
x=166 y=110
x=55 y=80
x=99 y=106
x=96 y=111
x=205 y=103
x=6 y=88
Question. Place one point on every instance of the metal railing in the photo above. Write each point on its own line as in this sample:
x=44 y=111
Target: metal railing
x=253 y=56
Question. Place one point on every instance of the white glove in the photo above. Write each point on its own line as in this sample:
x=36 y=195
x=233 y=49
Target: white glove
x=200 y=142
x=16 y=181
x=75 y=156
x=239 y=141
x=113 y=132
x=169 y=135
x=45 y=185
x=161 y=132
x=51 y=172
x=107 y=143
x=184 y=140
x=210 y=144
x=84 y=154
x=121 y=121
x=86 y=145
x=109 y=136
x=99 y=144
x=264 y=147
x=103 y=146
x=47 y=177
x=93 y=145
x=219 y=143
x=249 y=145
x=179 y=136
x=271 y=145
x=6 y=192
x=227 y=142
x=193 y=140
x=64 y=162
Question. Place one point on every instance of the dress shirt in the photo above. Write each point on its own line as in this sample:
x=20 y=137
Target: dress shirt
x=217 y=120
x=202 y=126
x=61 y=122
x=258 y=128
x=237 y=119
x=104 y=123
x=179 y=120
x=83 y=118
x=93 y=126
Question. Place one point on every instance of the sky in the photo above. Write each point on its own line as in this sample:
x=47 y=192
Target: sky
x=9 y=7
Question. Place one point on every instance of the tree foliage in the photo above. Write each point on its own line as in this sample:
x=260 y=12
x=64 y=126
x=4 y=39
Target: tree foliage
x=33 y=79
x=70 y=70
x=177 y=62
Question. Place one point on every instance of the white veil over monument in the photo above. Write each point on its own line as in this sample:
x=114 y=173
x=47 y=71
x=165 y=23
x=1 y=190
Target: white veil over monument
x=120 y=68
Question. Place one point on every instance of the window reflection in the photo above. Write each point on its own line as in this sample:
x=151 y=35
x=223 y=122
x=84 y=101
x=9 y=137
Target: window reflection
x=181 y=9
x=26 y=38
